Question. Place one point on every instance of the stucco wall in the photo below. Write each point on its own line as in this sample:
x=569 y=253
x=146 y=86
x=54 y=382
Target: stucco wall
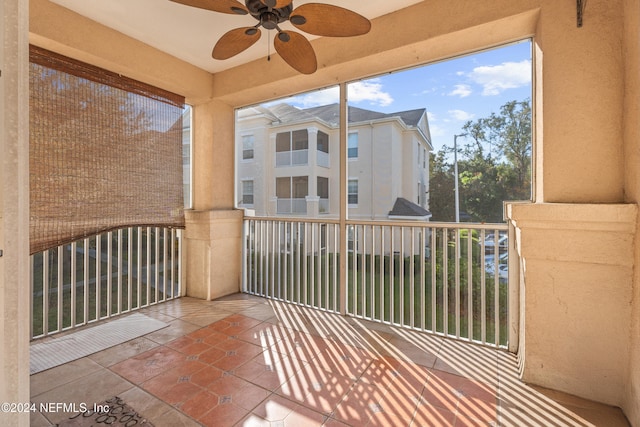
x=631 y=55
x=14 y=210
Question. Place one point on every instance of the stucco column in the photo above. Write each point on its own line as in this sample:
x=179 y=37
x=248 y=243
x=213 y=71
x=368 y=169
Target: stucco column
x=15 y=315
x=575 y=288
x=213 y=232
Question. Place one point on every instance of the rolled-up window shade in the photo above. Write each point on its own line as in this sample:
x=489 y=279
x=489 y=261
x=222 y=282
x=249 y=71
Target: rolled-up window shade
x=105 y=152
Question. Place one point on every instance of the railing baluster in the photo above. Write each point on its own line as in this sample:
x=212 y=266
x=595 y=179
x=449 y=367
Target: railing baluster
x=72 y=284
x=470 y=285
x=139 y=267
x=434 y=272
x=483 y=290
x=119 y=272
x=45 y=292
x=457 y=254
x=156 y=260
x=129 y=268
x=164 y=264
x=412 y=278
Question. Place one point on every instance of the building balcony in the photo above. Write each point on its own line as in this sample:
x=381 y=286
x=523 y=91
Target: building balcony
x=248 y=361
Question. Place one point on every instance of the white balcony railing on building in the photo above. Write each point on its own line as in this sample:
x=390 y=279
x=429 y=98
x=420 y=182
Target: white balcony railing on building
x=448 y=279
x=323 y=206
x=291 y=206
x=323 y=159
x=102 y=276
x=292 y=158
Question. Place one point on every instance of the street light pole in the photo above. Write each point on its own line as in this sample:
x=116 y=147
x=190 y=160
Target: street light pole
x=455 y=172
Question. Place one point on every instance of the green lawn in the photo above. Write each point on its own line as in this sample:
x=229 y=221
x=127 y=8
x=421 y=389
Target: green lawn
x=376 y=288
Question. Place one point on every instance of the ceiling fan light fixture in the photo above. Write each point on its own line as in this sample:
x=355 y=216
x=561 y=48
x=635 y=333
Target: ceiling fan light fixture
x=298 y=20
x=284 y=37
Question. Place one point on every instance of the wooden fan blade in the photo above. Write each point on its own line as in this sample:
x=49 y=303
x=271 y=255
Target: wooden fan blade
x=296 y=50
x=235 y=41
x=223 y=6
x=328 y=20
x=276 y=4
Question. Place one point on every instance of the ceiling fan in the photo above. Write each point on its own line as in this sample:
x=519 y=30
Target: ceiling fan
x=314 y=18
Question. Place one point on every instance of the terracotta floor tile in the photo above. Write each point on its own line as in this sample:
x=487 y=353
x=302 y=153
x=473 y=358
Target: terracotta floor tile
x=250 y=396
x=274 y=409
x=206 y=376
x=199 y=404
x=226 y=414
x=359 y=404
x=302 y=416
x=240 y=355
x=264 y=334
x=345 y=360
x=316 y=389
x=301 y=346
x=429 y=415
x=180 y=343
x=252 y=420
x=148 y=364
x=238 y=391
x=212 y=355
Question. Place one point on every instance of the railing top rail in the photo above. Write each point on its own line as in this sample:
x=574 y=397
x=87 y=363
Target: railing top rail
x=422 y=224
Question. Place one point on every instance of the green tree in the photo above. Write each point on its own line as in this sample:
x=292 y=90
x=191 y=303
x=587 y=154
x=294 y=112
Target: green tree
x=494 y=166
x=441 y=189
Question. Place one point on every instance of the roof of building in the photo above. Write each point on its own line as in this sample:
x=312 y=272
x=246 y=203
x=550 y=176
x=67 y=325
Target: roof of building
x=331 y=114
x=404 y=208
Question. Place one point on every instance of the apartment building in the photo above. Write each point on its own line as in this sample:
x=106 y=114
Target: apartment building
x=288 y=162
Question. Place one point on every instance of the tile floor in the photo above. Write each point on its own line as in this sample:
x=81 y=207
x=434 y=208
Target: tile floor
x=247 y=361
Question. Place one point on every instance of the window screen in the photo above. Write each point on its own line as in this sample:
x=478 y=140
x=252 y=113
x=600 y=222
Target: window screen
x=105 y=152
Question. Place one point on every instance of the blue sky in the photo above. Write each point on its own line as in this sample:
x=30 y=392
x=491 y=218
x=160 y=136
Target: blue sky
x=452 y=91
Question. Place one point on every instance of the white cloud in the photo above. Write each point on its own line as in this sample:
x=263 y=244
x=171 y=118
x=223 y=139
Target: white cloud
x=431 y=117
x=370 y=91
x=461 y=90
x=436 y=130
x=461 y=115
x=498 y=78
x=315 y=99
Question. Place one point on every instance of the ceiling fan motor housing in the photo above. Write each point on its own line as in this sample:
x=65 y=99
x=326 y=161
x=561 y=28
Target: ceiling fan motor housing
x=268 y=17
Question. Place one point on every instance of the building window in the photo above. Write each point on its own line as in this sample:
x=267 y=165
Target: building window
x=292 y=148
x=323 y=149
x=353 y=192
x=247 y=147
x=353 y=145
x=323 y=193
x=291 y=193
x=247 y=192
x=419 y=192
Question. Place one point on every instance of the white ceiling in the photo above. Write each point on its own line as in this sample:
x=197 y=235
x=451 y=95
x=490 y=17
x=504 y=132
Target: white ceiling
x=190 y=33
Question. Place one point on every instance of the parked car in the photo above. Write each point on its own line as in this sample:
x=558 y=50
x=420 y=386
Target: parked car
x=490 y=244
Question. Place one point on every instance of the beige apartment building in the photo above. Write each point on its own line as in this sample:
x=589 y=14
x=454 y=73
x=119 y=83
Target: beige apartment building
x=288 y=162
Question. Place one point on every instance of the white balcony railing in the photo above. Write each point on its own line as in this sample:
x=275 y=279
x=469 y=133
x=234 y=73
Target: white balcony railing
x=438 y=278
x=291 y=206
x=292 y=158
x=103 y=276
x=323 y=159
